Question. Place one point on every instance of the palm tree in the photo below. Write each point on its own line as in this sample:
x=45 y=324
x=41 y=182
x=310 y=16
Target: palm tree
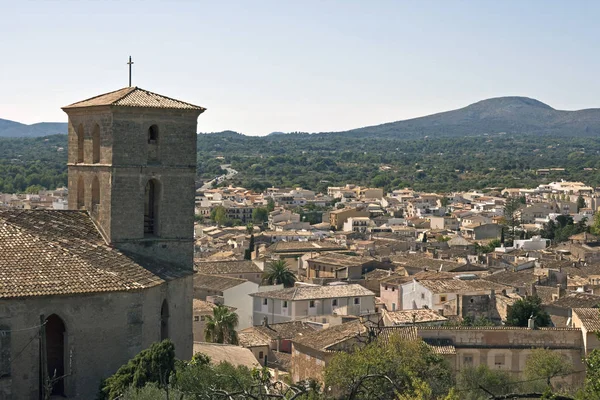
x=277 y=272
x=220 y=327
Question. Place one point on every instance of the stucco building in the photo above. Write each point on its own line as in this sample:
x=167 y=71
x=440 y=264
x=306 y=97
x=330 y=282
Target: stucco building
x=86 y=289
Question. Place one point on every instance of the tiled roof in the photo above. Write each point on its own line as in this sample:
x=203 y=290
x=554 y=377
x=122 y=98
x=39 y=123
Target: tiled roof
x=316 y=292
x=341 y=260
x=251 y=339
x=512 y=278
x=134 y=97
x=227 y=267
x=590 y=318
x=283 y=330
x=218 y=353
x=324 y=338
x=577 y=300
x=217 y=283
x=443 y=350
x=284 y=247
x=56 y=252
x=413 y=316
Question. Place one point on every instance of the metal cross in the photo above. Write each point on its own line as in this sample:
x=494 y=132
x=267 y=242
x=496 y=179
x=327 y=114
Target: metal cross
x=130 y=63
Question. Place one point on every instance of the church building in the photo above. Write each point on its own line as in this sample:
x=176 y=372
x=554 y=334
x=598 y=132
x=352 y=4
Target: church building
x=84 y=290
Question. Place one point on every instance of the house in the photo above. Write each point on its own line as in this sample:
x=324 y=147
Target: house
x=337 y=218
x=310 y=300
x=234 y=269
x=506 y=348
x=445 y=222
x=372 y=279
x=311 y=353
x=336 y=266
x=232 y=292
x=482 y=232
x=588 y=320
x=357 y=224
x=390 y=291
x=473 y=297
x=202 y=309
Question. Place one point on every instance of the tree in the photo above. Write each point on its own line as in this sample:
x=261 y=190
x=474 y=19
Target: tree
x=595 y=228
x=545 y=364
x=220 y=327
x=260 y=215
x=511 y=214
x=497 y=382
x=153 y=365
x=277 y=272
x=519 y=313
x=219 y=215
x=580 y=203
x=395 y=366
x=249 y=228
x=270 y=204
x=591 y=388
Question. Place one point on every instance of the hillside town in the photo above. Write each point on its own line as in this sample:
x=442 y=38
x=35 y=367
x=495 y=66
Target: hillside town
x=306 y=272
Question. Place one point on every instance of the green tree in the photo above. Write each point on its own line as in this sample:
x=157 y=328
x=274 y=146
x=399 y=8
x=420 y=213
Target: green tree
x=412 y=368
x=220 y=327
x=249 y=228
x=270 y=204
x=519 y=313
x=260 y=215
x=591 y=387
x=219 y=215
x=511 y=214
x=470 y=379
x=153 y=365
x=277 y=273
x=580 y=203
x=595 y=228
x=545 y=364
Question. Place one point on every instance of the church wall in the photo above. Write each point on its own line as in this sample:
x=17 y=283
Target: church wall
x=103 y=332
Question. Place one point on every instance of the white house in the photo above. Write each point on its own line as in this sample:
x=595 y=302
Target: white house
x=309 y=301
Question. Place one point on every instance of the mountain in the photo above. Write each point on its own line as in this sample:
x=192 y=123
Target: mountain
x=514 y=115
x=17 y=129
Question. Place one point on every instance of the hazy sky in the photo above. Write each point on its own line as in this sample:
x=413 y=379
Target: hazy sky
x=263 y=66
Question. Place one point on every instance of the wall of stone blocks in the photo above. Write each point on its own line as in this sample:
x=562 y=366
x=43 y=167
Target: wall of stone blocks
x=103 y=331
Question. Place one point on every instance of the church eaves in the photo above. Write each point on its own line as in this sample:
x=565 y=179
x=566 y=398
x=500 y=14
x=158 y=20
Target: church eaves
x=134 y=97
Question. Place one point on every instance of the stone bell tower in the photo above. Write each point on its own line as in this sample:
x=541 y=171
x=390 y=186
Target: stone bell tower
x=132 y=166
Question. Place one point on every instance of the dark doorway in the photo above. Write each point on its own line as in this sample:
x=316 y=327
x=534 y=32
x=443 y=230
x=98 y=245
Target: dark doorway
x=164 y=321
x=55 y=352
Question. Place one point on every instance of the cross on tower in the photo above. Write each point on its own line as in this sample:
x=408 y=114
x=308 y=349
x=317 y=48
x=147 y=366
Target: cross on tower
x=130 y=63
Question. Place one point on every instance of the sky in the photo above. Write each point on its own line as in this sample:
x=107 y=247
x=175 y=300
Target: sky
x=311 y=66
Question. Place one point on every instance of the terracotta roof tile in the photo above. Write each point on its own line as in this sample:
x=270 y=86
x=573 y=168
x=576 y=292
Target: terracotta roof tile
x=227 y=267
x=590 y=318
x=316 y=292
x=51 y=252
x=216 y=282
x=134 y=97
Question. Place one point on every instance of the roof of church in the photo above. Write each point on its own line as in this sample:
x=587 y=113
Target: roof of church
x=60 y=252
x=134 y=97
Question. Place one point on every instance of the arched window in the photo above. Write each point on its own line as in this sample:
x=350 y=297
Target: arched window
x=80 y=193
x=96 y=144
x=164 y=320
x=153 y=143
x=95 y=193
x=55 y=353
x=151 y=208
x=80 y=140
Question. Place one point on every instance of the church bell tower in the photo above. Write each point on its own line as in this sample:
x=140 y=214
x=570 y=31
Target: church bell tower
x=132 y=167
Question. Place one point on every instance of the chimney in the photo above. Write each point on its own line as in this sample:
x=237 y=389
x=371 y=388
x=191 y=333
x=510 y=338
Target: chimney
x=531 y=322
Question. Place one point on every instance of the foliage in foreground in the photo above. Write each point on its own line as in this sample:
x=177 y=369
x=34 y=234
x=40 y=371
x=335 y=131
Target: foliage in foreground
x=519 y=313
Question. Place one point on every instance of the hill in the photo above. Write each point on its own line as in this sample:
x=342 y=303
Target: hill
x=513 y=115
x=16 y=129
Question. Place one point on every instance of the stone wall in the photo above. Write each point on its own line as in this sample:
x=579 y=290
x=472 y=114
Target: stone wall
x=103 y=331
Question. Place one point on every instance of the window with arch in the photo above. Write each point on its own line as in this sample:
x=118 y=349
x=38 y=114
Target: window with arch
x=153 y=143
x=55 y=352
x=164 y=320
x=96 y=144
x=151 y=197
x=95 y=193
x=80 y=141
x=80 y=193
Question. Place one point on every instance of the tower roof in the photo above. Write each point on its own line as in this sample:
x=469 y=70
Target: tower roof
x=134 y=97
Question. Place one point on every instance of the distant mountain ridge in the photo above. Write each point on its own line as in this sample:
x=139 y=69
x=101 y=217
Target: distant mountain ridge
x=16 y=129
x=514 y=115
